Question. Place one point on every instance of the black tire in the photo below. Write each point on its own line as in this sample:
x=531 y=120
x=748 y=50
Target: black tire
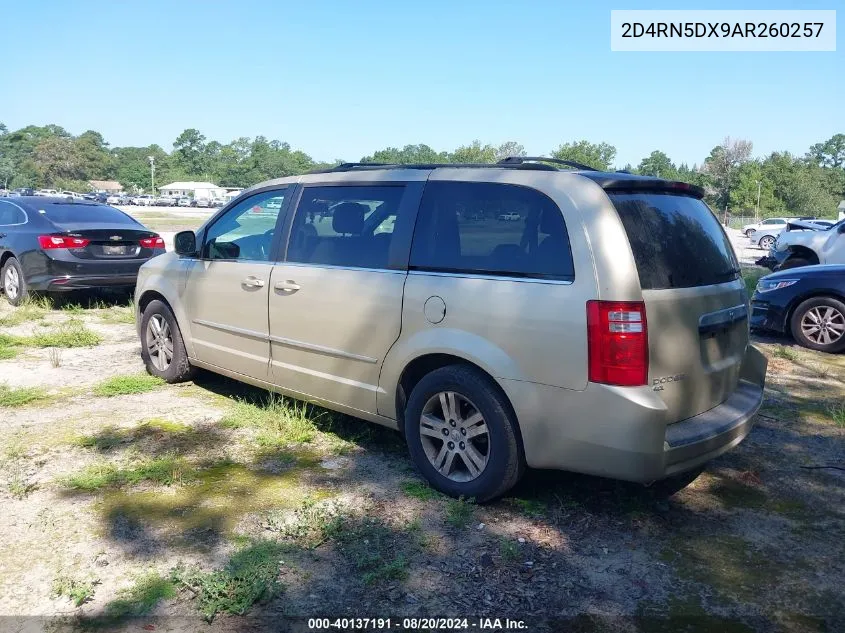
x=505 y=462
x=22 y=289
x=766 y=239
x=179 y=368
x=819 y=304
x=749 y=232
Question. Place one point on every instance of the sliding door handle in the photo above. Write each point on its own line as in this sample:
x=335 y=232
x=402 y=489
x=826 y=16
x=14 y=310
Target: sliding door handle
x=288 y=286
x=252 y=282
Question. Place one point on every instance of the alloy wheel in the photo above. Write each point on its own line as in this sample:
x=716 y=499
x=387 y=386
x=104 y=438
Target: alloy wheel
x=766 y=243
x=454 y=436
x=823 y=325
x=159 y=342
x=12 y=282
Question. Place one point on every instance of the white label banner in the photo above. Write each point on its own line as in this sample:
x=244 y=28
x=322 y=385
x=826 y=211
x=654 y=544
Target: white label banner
x=728 y=30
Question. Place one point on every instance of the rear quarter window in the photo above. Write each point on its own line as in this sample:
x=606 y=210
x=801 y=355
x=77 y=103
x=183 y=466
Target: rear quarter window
x=492 y=229
x=677 y=242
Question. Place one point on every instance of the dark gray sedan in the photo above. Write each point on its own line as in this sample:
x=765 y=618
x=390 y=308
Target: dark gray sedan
x=55 y=245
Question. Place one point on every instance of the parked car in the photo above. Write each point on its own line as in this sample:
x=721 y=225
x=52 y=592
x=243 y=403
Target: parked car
x=805 y=248
x=46 y=192
x=806 y=302
x=55 y=245
x=142 y=201
x=71 y=194
x=545 y=344
x=510 y=217
x=218 y=202
x=23 y=191
x=766 y=237
x=768 y=223
x=184 y=202
x=164 y=201
x=202 y=202
x=115 y=198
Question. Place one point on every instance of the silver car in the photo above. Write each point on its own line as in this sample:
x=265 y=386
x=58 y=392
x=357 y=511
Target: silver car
x=581 y=337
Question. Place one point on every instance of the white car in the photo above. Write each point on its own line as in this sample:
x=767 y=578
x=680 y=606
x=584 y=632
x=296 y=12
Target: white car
x=46 y=192
x=510 y=217
x=766 y=237
x=184 y=202
x=142 y=201
x=768 y=223
x=113 y=199
x=806 y=248
x=202 y=202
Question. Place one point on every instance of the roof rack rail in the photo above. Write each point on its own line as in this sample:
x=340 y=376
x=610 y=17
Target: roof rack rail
x=519 y=160
x=371 y=166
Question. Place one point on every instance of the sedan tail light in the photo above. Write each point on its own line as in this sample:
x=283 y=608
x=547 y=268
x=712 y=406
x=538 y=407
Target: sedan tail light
x=617 y=343
x=48 y=242
x=152 y=242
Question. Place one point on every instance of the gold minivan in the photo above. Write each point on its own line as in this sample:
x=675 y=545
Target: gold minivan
x=601 y=327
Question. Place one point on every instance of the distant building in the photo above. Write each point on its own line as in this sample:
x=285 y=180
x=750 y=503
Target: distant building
x=232 y=192
x=194 y=190
x=105 y=186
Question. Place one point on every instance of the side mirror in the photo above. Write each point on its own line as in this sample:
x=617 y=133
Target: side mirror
x=185 y=243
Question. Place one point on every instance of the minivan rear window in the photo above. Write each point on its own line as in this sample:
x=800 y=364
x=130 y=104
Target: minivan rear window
x=75 y=213
x=676 y=240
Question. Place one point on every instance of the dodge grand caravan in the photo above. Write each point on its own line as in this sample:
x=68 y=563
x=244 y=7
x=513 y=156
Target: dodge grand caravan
x=605 y=331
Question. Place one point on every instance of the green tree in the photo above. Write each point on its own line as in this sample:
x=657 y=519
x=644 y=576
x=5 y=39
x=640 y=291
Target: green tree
x=58 y=157
x=7 y=171
x=509 y=148
x=189 y=152
x=658 y=164
x=597 y=155
x=475 y=152
x=831 y=153
x=722 y=165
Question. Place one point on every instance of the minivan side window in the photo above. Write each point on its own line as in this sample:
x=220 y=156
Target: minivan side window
x=491 y=229
x=349 y=226
x=245 y=232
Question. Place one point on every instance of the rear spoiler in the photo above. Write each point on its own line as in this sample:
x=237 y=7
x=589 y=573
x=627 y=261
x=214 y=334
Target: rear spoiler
x=620 y=183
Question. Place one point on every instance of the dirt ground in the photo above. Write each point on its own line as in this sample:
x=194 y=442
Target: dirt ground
x=128 y=504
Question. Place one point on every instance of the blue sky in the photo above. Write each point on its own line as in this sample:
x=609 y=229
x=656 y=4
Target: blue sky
x=342 y=79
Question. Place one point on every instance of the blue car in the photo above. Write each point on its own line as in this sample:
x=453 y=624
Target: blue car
x=807 y=302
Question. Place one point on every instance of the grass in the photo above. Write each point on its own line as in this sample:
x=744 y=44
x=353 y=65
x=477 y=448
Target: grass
x=310 y=525
x=8 y=346
x=785 y=353
x=530 y=507
x=376 y=551
x=508 y=550
x=125 y=385
x=751 y=276
x=77 y=591
x=72 y=333
x=33 y=309
x=459 y=512
x=119 y=314
x=142 y=597
x=20 y=396
x=165 y=471
x=251 y=575
x=837 y=414
x=279 y=421
x=55 y=357
x=419 y=490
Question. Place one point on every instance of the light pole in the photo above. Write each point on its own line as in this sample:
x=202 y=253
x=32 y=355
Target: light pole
x=152 y=160
x=757 y=208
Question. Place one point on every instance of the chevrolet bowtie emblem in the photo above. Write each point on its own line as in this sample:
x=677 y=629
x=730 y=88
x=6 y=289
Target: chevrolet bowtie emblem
x=115 y=238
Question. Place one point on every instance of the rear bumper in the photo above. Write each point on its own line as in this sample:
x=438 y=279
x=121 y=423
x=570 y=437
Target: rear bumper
x=622 y=432
x=767 y=316
x=61 y=271
x=82 y=282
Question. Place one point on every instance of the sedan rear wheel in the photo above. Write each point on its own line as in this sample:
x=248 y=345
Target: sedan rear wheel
x=14 y=284
x=819 y=323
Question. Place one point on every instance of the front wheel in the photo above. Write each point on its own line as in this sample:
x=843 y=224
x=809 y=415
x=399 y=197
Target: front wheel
x=14 y=284
x=819 y=324
x=749 y=232
x=461 y=434
x=162 y=348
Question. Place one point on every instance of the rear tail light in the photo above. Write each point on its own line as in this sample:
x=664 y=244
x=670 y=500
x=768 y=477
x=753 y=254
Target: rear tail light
x=48 y=242
x=152 y=242
x=617 y=343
